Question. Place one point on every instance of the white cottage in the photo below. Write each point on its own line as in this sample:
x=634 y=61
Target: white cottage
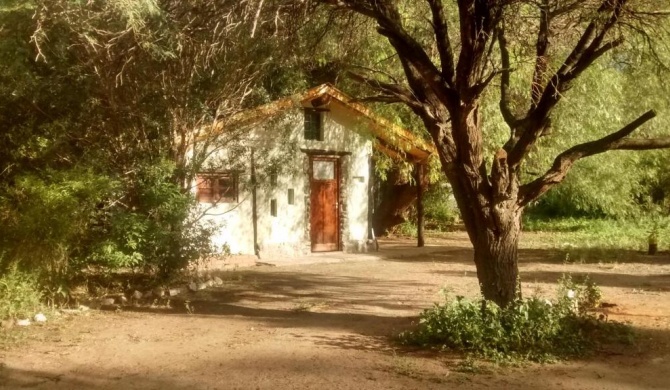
x=305 y=184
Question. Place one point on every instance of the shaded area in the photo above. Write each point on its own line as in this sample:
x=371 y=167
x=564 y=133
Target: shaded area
x=88 y=378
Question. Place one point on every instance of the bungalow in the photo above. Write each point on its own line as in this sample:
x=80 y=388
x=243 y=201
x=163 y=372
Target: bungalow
x=298 y=179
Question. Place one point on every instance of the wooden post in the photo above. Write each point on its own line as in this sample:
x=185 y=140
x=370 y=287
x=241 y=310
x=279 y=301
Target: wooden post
x=254 y=207
x=371 y=195
x=419 y=205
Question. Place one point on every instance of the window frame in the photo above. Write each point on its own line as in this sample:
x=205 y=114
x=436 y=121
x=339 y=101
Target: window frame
x=313 y=124
x=216 y=192
x=273 y=207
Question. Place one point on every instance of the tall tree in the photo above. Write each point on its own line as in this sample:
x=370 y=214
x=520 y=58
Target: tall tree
x=459 y=52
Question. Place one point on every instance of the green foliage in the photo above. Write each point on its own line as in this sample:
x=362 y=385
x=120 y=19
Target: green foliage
x=616 y=184
x=46 y=220
x=407 y=228
x=533 y=329
x=19 y=295
x=440 y=207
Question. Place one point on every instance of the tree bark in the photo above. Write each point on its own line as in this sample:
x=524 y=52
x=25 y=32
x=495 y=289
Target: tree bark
x=488 y=205
x=396 y=195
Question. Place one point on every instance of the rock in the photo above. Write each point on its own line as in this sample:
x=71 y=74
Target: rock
x=7 y=324
x=25 y=322
x=193 y=286
x=210 y=283
x=84 y=308
x=107 y=301
x=39 y=317
x=122 y=300
x=158 y=292
x=174 y=291
x=202 y=286
x=137 y=295
x=218 y=281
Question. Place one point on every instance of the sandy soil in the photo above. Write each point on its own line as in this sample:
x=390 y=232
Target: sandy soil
x=325 y=326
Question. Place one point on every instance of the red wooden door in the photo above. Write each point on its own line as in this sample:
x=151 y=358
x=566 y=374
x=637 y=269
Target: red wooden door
x=324 y=206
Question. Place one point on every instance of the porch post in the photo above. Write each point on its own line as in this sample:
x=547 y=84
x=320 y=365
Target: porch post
x=418 y=170
x=254 y=206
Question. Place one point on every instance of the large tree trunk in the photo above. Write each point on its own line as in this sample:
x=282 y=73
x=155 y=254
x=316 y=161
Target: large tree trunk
x=488 y=203
x=496 y=261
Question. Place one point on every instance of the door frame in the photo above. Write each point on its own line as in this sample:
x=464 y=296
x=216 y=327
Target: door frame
x=338 y=214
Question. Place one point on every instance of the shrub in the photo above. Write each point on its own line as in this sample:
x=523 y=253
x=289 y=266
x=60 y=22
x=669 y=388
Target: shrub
x=532 y=329
x=19 y=295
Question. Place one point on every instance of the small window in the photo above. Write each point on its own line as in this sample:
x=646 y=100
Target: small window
x=313 y=125
x=291 y=196
x=217 y=187
x=273 y=178
x=273 y=207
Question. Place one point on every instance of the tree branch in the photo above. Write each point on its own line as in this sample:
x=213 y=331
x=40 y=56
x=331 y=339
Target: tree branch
x=541 y=49
x=505 y=100
x=478 y=21
x=444 y=48
x=564 y=161
x=390 y=25
x=390 y=93
x=588 y=49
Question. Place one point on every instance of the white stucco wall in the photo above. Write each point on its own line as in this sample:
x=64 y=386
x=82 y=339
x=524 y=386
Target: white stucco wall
x=287 y=233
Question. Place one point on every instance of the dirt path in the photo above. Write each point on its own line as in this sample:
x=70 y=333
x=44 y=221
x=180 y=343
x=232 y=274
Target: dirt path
x=326 y=326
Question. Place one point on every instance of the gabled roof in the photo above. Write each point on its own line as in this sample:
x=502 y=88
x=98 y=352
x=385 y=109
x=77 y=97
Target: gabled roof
x=391 y=139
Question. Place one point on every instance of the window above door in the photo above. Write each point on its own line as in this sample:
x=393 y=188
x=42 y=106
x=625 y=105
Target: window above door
x=313 y=124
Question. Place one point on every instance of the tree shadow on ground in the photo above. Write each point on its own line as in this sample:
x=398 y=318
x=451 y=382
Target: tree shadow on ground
x=636 y=366
x=650 y=282
x=594 y=255
x=285 y=299
x=91 y=378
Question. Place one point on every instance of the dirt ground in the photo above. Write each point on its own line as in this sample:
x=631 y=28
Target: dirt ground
x=327 y=326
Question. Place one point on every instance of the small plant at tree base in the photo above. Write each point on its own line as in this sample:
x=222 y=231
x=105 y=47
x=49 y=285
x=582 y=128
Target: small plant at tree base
x=532 y=329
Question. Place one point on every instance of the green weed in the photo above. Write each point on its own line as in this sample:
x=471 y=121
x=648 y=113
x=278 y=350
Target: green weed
x=532 y=329
x=19 y=295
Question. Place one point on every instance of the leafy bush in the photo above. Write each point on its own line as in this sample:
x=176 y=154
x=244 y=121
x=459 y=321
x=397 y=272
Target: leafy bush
x=19 y=295
x=56 y=224
x=159 y=232
x=532 y=329
x=47 y=222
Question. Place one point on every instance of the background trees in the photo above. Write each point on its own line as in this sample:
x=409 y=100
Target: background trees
x=99 y=105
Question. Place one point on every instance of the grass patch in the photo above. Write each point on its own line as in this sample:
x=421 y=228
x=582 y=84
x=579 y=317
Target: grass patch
x=630 y=234
x=532 y=329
